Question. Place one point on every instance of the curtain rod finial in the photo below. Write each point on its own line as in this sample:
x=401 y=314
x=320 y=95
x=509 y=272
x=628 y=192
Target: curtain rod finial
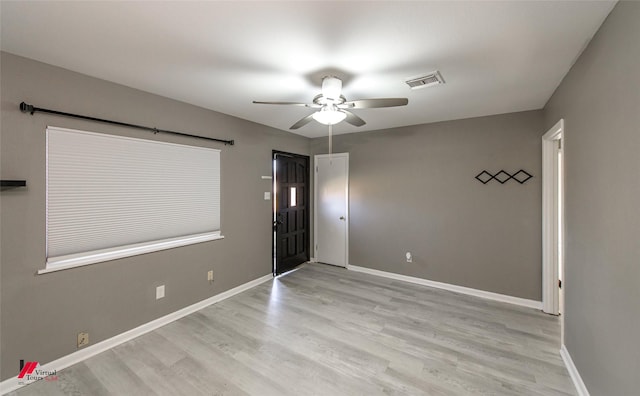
x=26 y=108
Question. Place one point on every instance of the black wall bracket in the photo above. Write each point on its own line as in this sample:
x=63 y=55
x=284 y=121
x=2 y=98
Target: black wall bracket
x=4 y=184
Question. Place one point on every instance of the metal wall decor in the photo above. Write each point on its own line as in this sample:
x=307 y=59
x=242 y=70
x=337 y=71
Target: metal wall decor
x=503 y=176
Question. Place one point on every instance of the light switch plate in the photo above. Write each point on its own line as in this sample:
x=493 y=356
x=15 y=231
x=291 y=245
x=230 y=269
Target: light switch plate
x=159 y=292
x=267 y=195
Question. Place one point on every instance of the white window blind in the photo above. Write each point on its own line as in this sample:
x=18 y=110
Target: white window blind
x=110 y=196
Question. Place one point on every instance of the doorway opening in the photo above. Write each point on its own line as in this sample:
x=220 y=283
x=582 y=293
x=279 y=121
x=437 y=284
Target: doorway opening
x=290 y=241
x=553 y=221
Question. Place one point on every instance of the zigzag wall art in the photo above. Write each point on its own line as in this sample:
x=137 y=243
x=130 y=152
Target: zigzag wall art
x=503 y=176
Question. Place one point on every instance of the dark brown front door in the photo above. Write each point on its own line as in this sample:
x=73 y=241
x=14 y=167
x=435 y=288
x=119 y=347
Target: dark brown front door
x=291 y=211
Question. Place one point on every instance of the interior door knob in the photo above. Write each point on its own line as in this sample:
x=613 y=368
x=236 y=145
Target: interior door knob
x=341 y=217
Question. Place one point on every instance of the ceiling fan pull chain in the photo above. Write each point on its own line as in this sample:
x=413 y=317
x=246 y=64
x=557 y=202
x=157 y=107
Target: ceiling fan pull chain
x=330 y=141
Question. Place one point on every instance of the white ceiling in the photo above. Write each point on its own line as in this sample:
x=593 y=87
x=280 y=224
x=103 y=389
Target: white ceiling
x=496 y=57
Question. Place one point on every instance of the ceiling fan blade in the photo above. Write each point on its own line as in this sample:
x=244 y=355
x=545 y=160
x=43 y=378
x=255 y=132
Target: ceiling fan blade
x=284 y=103
x=302 y=122
x=373 y=103
x=353 y=119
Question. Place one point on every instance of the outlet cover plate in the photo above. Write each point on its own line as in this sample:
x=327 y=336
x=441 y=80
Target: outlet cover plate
x=83 y=339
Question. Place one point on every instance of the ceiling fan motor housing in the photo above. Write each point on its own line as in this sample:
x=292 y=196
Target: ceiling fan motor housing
x=331 y=88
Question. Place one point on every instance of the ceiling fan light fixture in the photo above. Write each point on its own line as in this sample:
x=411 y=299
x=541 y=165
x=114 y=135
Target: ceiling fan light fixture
x=329 y=116
x=334 y=108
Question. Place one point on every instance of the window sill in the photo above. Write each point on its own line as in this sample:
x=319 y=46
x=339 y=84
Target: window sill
x=98 y=256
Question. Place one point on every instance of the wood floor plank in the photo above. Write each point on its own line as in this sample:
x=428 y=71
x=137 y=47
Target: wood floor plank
x=323 y=330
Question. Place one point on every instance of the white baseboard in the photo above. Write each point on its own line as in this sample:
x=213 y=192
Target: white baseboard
x=446 y=286
x=573 y=372
x=331 y=265
x=12 y=384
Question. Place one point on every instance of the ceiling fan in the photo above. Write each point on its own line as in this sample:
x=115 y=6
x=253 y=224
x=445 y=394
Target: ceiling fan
x=334 y=108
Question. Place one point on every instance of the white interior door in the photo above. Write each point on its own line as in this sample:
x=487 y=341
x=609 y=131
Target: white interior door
x=331 y=218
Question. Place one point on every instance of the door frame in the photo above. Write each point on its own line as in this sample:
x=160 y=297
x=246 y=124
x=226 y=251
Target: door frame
x=274 y=201
x=550 y=206
x=315 y=205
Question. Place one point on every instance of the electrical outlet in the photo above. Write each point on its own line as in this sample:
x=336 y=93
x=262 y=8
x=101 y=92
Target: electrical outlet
x=159 y=292
x=210 y=276
x=83 y=339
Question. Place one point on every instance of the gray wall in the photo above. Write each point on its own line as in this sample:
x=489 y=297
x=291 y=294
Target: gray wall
x=41 y=314
x=413 y=189
x=600 y=102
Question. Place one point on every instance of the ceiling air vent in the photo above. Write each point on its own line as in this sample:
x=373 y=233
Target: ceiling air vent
x=430 y=79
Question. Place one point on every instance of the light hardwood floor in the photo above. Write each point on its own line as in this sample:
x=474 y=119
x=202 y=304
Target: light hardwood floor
x=323 y=330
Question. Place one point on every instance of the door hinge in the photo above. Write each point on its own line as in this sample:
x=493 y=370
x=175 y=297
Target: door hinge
x=316 y=169
x=560 y=283
x=316 y=246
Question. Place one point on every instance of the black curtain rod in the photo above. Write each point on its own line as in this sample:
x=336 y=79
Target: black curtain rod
x=27 y=108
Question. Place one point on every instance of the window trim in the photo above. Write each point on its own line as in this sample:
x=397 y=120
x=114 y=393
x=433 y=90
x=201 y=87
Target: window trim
x=98 y=256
